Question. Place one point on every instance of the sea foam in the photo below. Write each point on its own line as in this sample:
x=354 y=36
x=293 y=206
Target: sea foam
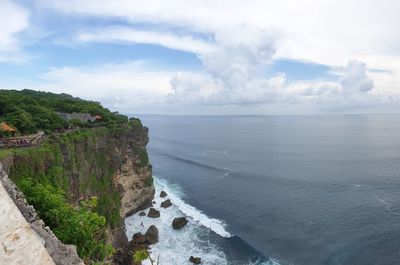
x=176 y=246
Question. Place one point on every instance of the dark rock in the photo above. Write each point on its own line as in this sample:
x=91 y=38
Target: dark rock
x=151 y=235
x=179 y=222
x=195 y=260
x=163 y=194
x=138 y=242
x=138 y=239
x=166 y=203
x=154 y=202
x=142 y=214
x=153 y=213
x=121 y=246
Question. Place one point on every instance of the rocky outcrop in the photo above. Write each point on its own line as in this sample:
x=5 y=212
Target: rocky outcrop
x=179 y=222
x=140 y=241
x=152 y=235
x=163 y=194
x=136 y=194
x=165 y=204
x=24 y=236
x=153 y=213
x=195 y=260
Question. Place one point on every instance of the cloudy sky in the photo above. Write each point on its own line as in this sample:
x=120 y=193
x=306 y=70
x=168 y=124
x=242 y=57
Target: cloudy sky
x=207 y=56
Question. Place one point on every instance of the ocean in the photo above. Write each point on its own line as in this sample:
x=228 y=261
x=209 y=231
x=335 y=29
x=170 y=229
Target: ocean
x=302 y=190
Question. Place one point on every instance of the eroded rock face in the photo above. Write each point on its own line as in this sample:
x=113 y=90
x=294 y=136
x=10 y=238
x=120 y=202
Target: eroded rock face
x=179 y=222
x=153 y=213
x=135 y=193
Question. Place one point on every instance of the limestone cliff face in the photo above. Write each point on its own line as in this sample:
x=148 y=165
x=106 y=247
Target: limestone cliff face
x=134 y=176
x=109 y=164
x=137 y=193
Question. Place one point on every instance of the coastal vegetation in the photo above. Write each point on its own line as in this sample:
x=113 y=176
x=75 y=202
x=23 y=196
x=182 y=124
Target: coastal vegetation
x=69 y=177
x=43 y=176
x=29 y=111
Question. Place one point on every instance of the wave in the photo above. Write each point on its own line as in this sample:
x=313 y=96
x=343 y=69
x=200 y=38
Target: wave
x=176 y=246
x=215 y=152
x=171 y=141
x=193 y=162
x=196 y=239
x=215 y=225
x=224 y=175
x=387 y=205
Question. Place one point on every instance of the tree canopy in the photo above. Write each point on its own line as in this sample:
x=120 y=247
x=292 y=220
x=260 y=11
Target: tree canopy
x=29 y=111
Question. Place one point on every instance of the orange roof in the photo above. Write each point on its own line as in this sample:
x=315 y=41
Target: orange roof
x=6 y=128
x=98 y=117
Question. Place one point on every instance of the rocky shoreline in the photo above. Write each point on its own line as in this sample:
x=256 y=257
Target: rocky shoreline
x=64 y=254
x=151 y=236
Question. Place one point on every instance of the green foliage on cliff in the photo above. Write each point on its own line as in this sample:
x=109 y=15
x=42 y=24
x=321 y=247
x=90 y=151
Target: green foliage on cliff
x=64 y=170
x=73 y=225
x=69 y=178
x=62 y=158
x=29 y=111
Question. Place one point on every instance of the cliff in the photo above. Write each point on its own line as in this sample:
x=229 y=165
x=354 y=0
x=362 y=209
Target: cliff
x=25 y=237
x=103 y=173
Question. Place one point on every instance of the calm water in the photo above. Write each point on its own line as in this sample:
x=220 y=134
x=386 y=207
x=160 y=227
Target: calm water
x=302 y=189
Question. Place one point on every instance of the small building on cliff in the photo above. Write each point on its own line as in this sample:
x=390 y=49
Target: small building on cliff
x=81 y=116
x=6 y=129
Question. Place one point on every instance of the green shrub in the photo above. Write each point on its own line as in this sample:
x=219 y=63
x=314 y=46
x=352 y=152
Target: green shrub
x=143 y=157
x=149 y=181
x=72 y=225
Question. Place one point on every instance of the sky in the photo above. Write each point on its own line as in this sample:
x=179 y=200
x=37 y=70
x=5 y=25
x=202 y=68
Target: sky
x=207 y=56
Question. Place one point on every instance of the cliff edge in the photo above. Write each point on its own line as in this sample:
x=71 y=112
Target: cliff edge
x=110 y=165
x=24 y=237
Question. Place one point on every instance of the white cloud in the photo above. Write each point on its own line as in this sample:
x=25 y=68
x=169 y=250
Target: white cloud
x=329 y=32
x=130 y=35
x=14 y=19
x=246 y=36
x=231 y=71
x=119 y=86
x=355 y=78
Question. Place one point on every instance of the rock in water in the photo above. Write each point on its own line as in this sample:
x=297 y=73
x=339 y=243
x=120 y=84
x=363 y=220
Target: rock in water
x=151 y=235
x=163 y=194
x=195 y=260
x=179 y=222
x=166 y=203
x=138 y=239
x=142 y=214
x=153 y=213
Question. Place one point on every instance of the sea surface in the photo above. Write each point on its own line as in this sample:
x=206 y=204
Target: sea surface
x=302 y=190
